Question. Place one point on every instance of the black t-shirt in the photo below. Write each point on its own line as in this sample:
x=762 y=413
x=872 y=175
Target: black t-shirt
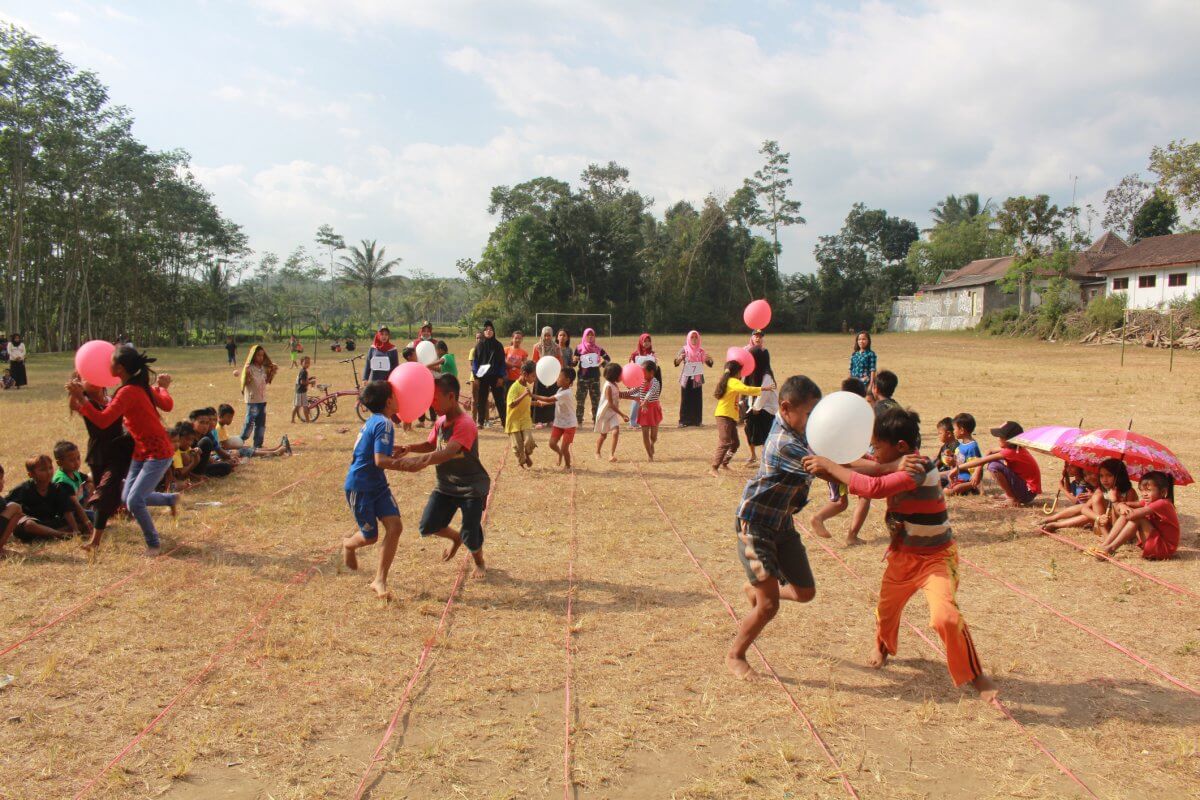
x=49 y=509
x=302 y=380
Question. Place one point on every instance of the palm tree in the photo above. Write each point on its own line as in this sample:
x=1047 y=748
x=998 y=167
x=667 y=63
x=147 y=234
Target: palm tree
x=367 y=268
x=955 y=209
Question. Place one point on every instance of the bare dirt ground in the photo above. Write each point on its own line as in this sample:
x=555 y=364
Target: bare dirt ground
x=276 y=672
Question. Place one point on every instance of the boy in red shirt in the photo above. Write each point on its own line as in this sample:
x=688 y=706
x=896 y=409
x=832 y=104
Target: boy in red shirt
x=922 y=553
x=1153 y=521
x=1015 y=470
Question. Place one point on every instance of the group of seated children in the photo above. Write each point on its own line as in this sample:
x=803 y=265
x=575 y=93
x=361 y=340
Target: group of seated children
x=204 y=447
x=1118 y=513
x=47 y=505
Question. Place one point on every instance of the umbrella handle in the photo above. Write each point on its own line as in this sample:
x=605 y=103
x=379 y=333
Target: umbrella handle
x=1048 y=509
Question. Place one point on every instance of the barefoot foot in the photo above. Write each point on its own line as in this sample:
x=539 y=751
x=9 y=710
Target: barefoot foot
x=739 y=666
x=851 y=541
x=379 y=587
x=818 y=528
x=452 y=549
x=480 y=568
x=987 y=690
x=877 y=658
x=350 y=557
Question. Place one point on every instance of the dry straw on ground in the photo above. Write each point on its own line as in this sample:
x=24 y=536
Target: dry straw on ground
x=296 y=710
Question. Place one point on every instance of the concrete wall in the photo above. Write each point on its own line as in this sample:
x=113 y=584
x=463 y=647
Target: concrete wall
x=950 y=310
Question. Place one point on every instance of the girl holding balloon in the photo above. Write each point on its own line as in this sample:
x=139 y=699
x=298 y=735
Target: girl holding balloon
x=729 y=392
x=610 y=415
x=650 y=413
x=136 y=403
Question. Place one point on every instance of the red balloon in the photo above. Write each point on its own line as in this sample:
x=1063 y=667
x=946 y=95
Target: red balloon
x=93 y=362
x=742 y=356
x=632 y=375
x=757 y=314
x=412 y=385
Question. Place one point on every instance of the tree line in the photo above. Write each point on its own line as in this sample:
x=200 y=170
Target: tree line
x=102 y=236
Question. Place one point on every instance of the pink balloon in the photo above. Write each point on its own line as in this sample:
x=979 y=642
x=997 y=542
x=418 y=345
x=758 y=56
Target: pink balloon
x=632 y=375
x=93 y=362
x=742 y=356
x=757 y=314
x=412 y=384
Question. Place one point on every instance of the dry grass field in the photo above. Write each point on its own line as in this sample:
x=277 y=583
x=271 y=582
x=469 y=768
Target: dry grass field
x=276 y=672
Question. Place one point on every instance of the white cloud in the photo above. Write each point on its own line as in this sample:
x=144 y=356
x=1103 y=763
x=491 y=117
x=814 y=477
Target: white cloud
x=890 y=106
x=67 y=17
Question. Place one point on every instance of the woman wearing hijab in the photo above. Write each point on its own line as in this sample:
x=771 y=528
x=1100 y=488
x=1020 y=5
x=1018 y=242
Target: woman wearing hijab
x=691 y=380
x=16 y=360
x=590 y=357
x=758 y=423
x=546 y=346
x=382 y=357
x=489 y=369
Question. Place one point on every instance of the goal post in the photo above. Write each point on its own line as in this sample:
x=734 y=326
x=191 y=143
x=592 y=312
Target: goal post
x=537 y=321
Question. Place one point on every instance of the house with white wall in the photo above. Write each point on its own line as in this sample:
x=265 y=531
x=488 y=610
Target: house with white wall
x=1155 y=271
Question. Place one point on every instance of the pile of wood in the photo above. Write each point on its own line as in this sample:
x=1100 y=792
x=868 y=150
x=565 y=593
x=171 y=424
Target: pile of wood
x=1152 y=329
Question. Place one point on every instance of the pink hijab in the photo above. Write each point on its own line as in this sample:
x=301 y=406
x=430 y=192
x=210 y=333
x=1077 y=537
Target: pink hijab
x=691 y=353
x=588 y=347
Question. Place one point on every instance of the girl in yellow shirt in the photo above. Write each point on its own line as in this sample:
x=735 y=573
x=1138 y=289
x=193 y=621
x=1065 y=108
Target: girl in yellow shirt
x=729 y=390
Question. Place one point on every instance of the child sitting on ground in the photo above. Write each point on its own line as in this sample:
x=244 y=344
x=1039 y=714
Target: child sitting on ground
x=922 y=553
x=1100 y=511
x=10 y=517
x=48 y=510
x=965 y=481
x=769 y=546
x=838 y=498
x=1077 y=483
x=462 y=482
x=367 y=491
x=944 y=461
x=186 y=457
x=1152 y=521
x=68 y=459
x=227 y=442
x=8 y=381
x=519 y=422
x=1013 y=468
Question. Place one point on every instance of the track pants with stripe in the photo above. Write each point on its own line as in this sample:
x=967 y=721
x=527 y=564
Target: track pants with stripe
x=936 y=573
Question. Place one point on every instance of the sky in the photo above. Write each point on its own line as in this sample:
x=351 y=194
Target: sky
x=391 y=120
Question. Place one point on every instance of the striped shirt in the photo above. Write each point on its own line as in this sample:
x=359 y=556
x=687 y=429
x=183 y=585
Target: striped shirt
x=780 y=488
x=650 y=393
x=916 y=510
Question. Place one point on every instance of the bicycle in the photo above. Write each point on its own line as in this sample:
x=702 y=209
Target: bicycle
x=328 y=401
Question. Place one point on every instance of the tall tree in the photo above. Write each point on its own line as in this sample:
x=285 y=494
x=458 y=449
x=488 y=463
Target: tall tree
x=332 y=242
x=1121 y=204
x=369 y=268
x=1156 y=217
x=770 y=184
x=947 y=247
x=1036 y=227
x=956 y=209
x=1178 y=168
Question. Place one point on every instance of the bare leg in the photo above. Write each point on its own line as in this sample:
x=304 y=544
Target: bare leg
x=616 y=435
x=455 y=542
x=856 y=522
x=350 y=545
x=764 y=607
x=987 y=690
x=480 y=568
x=828 y=511
x=392 y=527
x=646 y=443
x=566 y=455
x=8 y=524
x=600 y=444
x=40 y=531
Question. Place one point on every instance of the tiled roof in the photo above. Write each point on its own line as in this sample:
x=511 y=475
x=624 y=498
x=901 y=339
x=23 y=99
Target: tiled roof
x=1157 y=251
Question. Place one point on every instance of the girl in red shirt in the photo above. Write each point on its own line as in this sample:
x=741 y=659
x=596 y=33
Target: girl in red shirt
x=136 y=403
x=1152 y=521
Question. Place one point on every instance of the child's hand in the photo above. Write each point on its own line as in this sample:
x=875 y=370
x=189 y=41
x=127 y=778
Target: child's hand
x=163 y=381
x=817 y=466
x=75 y=389
x=400 y=450
x=913 y=464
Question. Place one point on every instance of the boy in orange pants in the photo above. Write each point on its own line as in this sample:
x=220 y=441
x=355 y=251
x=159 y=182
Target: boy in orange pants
x=922 y=554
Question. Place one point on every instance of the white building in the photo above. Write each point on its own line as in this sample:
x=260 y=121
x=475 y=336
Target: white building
x=1156 y=271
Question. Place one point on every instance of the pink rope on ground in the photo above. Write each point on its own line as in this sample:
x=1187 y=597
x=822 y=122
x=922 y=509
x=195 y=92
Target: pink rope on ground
x=812 y=729
x=1126 y=567
x=570 y=657
x=937 y=647
x=299 y=578
x=1081 y=626
x=419 y=669
x=149 y=565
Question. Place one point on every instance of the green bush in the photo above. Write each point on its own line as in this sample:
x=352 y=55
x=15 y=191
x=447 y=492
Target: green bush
x=996 y=323
x=1107 y=311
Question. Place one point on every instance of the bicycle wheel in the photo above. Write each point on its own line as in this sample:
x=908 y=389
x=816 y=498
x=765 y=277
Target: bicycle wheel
x=314 y=411
x=361 y=410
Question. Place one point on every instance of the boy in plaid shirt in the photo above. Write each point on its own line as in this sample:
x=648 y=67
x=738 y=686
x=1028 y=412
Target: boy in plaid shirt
x=768 y=545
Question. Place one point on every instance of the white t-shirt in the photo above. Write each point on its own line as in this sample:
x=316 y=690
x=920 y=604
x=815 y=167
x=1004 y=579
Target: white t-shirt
x=564 y=408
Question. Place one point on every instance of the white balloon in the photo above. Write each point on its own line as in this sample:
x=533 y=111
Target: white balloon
x=234 y=443
x=547 y=370
x=426 y=353
x=839 y=428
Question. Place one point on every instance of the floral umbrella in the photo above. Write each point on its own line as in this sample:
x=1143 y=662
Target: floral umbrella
x=1141 y=454
x=1045 y=438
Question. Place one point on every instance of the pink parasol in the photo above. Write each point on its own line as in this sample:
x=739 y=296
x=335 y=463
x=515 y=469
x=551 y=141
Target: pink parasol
x=1045 y=438
x=1141 y=454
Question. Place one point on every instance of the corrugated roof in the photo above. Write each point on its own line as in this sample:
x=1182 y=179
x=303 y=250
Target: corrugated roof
x=1157 y=251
